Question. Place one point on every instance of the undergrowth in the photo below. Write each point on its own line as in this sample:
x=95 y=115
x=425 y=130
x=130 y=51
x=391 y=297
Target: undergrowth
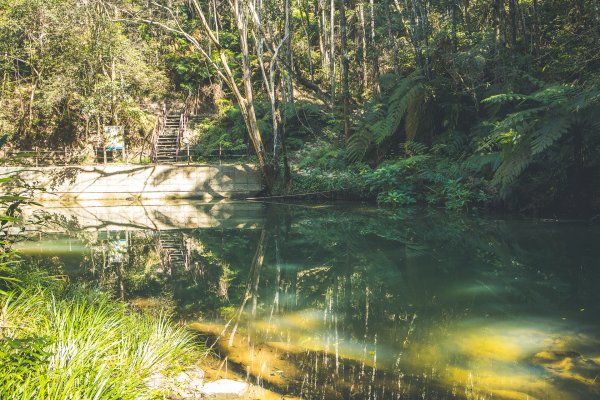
x=60 y=341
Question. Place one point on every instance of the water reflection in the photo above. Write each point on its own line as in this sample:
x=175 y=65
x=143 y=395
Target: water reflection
x=355 y=303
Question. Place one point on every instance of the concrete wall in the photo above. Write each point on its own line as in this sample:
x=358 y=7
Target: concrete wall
x=114 y=182
x=158 y=214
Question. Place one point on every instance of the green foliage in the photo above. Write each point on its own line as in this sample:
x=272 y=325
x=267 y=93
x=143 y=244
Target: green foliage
x=68 y=70
x=224 y=134
x=60 y=344
x=419 y=177
x=395 y=198
x=401 y=101
x=536 y=123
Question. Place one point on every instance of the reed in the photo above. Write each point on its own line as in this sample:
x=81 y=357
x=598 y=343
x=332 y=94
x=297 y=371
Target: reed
x=77 y=343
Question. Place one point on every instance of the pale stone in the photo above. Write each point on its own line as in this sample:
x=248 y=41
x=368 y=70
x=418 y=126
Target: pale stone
x=155 y=381
x=223 y=389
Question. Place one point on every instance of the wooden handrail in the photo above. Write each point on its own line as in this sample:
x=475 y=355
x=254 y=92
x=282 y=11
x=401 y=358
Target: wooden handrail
x=158 y=128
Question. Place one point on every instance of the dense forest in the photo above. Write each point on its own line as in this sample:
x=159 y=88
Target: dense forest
x=450 y=103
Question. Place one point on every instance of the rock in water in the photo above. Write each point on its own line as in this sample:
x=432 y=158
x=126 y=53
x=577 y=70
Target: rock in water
x=223 y=389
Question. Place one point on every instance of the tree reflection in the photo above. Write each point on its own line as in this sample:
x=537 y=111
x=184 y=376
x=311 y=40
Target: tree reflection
x=357 y=303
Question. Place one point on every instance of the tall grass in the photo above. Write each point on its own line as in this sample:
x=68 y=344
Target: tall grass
x=79 y=344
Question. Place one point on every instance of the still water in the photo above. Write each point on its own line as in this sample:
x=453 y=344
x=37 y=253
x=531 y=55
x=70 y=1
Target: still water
x=351 y=302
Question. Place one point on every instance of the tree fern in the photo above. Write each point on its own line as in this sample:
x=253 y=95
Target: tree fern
x=512 y=166
x=549 y=132
x=413 y=112
x=382 y=118
x=540 y=120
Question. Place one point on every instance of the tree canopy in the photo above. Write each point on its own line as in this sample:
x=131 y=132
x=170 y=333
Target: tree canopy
x=499 y=99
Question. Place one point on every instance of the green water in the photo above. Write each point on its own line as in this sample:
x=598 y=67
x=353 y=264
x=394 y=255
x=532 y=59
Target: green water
x=353 y=302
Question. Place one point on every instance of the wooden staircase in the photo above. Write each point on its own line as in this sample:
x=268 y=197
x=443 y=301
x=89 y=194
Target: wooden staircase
x=173 y=250
x=167 y=143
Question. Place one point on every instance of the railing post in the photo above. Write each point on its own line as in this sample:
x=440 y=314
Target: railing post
x=36 y=156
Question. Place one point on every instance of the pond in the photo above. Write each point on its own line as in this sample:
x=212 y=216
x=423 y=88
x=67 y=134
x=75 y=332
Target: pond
x=350 y=302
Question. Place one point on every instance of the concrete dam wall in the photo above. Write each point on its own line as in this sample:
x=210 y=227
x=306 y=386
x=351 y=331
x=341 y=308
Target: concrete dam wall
x=130 y=182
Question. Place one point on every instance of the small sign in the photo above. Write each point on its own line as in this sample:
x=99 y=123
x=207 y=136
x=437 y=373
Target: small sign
x=187 y=136
x=113 y=137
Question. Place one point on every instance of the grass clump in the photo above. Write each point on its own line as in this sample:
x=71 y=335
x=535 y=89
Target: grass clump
x=77 y=343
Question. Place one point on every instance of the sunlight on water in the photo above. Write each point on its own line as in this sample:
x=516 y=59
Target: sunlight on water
x=339 y=302
x=511 y=360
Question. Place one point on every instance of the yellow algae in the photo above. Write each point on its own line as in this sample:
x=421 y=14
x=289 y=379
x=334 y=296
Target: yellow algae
x=492 y=347
x=269 y=362
x=214 y=369
x=511 y=395
x=305 y=320
x=498 y=358
x=258 y=359
x=509 y=385
x=207 y=327
x=569 y=365
x=343 y=353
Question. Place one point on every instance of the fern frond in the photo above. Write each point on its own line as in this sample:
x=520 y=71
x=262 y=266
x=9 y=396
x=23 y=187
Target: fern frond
x=479 y=161
x=551 y=95
x=503 y=98
x=413 y=112
x=534 y=80
x=415 y=148
x=383 y=120
x=358 y=144
x=549 y=132
x=513 y=120
x=397 y=109
x=513 y=165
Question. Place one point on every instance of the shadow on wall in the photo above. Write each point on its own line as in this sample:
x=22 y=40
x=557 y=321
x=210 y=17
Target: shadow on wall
x=157 y=181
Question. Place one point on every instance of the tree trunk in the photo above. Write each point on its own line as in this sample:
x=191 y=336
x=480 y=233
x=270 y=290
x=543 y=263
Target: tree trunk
x=374 y=53
x=332 y=51
x=244 y=99
x=392 y=40
x=467 y=17
x=345 y=67
x=498 y=9
x=512 y=16
x=453 y=21
x=361 y=37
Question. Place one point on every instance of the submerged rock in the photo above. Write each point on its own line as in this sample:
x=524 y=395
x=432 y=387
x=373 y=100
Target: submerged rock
x=569 y=365
x=223 y=389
